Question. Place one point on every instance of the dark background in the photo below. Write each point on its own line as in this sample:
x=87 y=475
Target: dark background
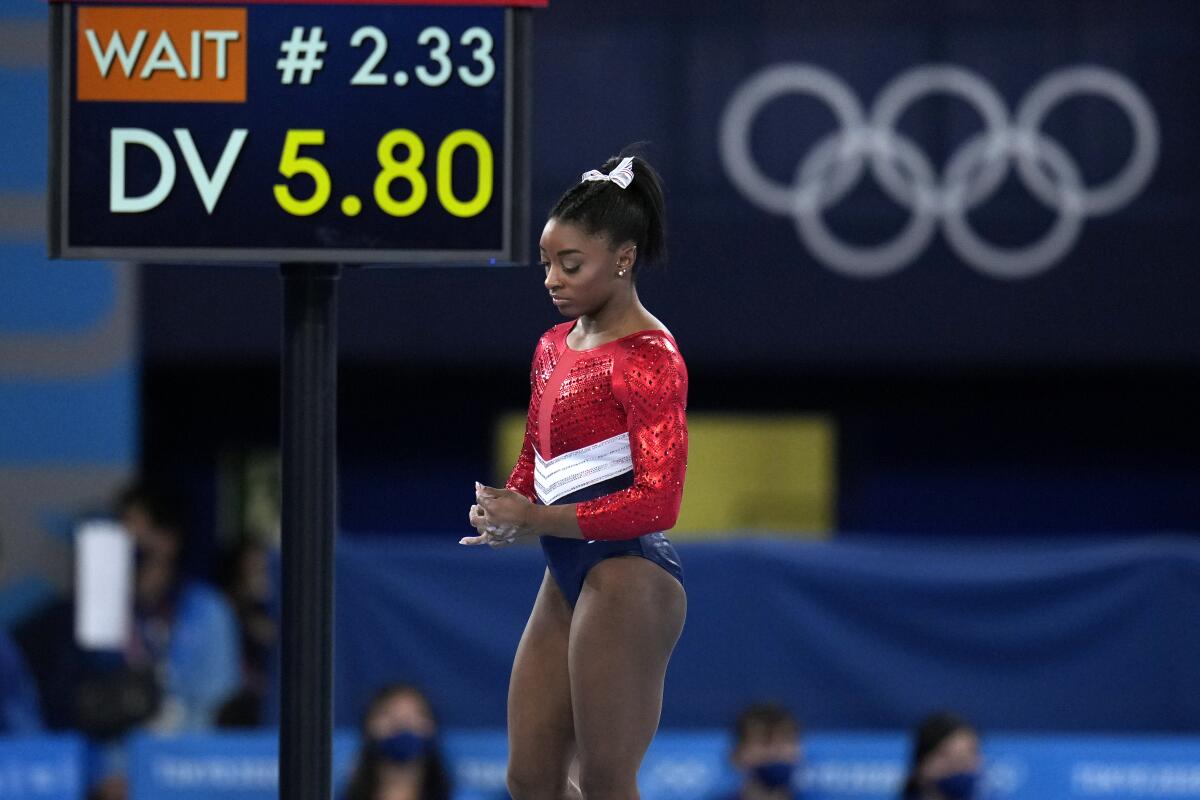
x=1058 y=404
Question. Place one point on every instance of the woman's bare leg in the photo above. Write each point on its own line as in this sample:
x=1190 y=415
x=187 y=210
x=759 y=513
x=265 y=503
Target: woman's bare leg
x=541 y=733
x=628 y=618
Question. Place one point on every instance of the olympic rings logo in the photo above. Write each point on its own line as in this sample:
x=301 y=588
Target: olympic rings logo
x=835 y=164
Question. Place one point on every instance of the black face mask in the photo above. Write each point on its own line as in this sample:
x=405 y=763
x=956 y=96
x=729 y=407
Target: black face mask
x=774 y=774
x=959 y=786
x=402 y=747
x=142 y=556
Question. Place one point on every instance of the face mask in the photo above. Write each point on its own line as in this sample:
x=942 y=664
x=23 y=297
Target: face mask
x=402 y=747
x=959 y=786
x=774 y=774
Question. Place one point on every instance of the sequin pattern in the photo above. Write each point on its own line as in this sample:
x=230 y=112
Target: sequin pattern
x=636 y=384
x=545 y=357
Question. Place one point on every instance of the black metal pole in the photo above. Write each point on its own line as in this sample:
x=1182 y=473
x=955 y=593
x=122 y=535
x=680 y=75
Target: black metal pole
x=308 y=441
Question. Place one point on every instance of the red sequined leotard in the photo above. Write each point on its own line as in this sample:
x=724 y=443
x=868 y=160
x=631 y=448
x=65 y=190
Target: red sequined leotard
x=597 y=414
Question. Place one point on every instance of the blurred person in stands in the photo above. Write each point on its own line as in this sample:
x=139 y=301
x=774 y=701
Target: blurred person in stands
x=400 y=758
x=247 y=583
x=184 y=629
x=946 y=762
x=766 y=752
x=20 y=714
x=20 y=711
x=180 y=662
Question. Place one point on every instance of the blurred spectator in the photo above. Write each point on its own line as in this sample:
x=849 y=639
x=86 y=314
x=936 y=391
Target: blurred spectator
x=767 y=752
x=400 y=758
x=945 y=760
x=182 y=659
x=47 y=638
x=19 y=712
x=183 y=628
x=247 y=583
x=180 y=663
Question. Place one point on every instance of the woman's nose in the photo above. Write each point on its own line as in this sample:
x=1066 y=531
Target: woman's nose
x=552 y=278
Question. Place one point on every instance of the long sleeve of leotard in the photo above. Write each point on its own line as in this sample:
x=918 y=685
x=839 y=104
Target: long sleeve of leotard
x=650 y=381
x=521 y=478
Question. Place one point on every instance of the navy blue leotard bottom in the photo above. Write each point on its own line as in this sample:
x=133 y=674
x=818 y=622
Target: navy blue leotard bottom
x=570 y=559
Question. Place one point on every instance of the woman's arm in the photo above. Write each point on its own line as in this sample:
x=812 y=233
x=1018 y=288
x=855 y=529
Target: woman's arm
x=555 y=521
x=521 y=478
x=650 y=380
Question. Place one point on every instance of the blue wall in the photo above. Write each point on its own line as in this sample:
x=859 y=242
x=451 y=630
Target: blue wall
x=69 y=360
x=1094 y=634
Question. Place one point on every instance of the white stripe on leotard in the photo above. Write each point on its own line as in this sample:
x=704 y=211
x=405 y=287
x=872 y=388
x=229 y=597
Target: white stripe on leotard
x=578 y=469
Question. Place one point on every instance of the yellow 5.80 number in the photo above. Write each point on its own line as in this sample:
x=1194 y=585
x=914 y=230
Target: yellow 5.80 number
x=445 y=168
x=292 y=163
x=408 y=169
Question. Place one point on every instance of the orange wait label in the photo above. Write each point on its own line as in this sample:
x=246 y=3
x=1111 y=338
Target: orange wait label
x=155 y=54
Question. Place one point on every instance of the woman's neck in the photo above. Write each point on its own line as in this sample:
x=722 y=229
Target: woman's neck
x=400 y=782
x=756 y=791
x=614 y=318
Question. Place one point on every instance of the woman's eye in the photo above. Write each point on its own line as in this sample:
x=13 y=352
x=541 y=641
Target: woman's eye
x=567 y=268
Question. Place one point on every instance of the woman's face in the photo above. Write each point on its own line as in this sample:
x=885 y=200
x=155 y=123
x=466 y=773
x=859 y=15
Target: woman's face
x=254 y=574
x=581 y=270
x=403 y=712
x=958 y=753
x=765 y=744
x=157 y=550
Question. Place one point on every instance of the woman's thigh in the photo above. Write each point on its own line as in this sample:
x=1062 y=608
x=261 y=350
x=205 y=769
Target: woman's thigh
x=626 y=623
x=541 y=733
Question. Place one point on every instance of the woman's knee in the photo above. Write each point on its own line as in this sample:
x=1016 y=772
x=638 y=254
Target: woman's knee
x=534 y=781
x=604 y=779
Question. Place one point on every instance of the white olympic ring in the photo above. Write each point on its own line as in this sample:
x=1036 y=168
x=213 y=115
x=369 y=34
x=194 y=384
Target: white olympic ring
x=835 y=164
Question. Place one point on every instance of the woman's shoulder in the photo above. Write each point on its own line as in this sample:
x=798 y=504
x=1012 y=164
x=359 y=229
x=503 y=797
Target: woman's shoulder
x=651 y=340
x=203 y=600
x=653 y=332
x=553 y=340
x=558 y=332
x=653 y=348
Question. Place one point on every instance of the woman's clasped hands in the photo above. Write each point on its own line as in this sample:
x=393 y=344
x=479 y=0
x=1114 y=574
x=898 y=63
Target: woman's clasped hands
x=499 y=516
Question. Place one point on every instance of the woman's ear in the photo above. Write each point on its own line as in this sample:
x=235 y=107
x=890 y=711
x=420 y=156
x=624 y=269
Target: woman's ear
x=626 y=255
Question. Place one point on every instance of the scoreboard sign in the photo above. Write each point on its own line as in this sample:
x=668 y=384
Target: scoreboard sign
x=270 y=132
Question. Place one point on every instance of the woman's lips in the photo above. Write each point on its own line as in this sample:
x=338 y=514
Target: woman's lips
x=558 y=301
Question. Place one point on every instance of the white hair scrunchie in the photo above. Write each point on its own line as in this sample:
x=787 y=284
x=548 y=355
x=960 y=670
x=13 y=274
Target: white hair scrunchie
x=622 y=175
